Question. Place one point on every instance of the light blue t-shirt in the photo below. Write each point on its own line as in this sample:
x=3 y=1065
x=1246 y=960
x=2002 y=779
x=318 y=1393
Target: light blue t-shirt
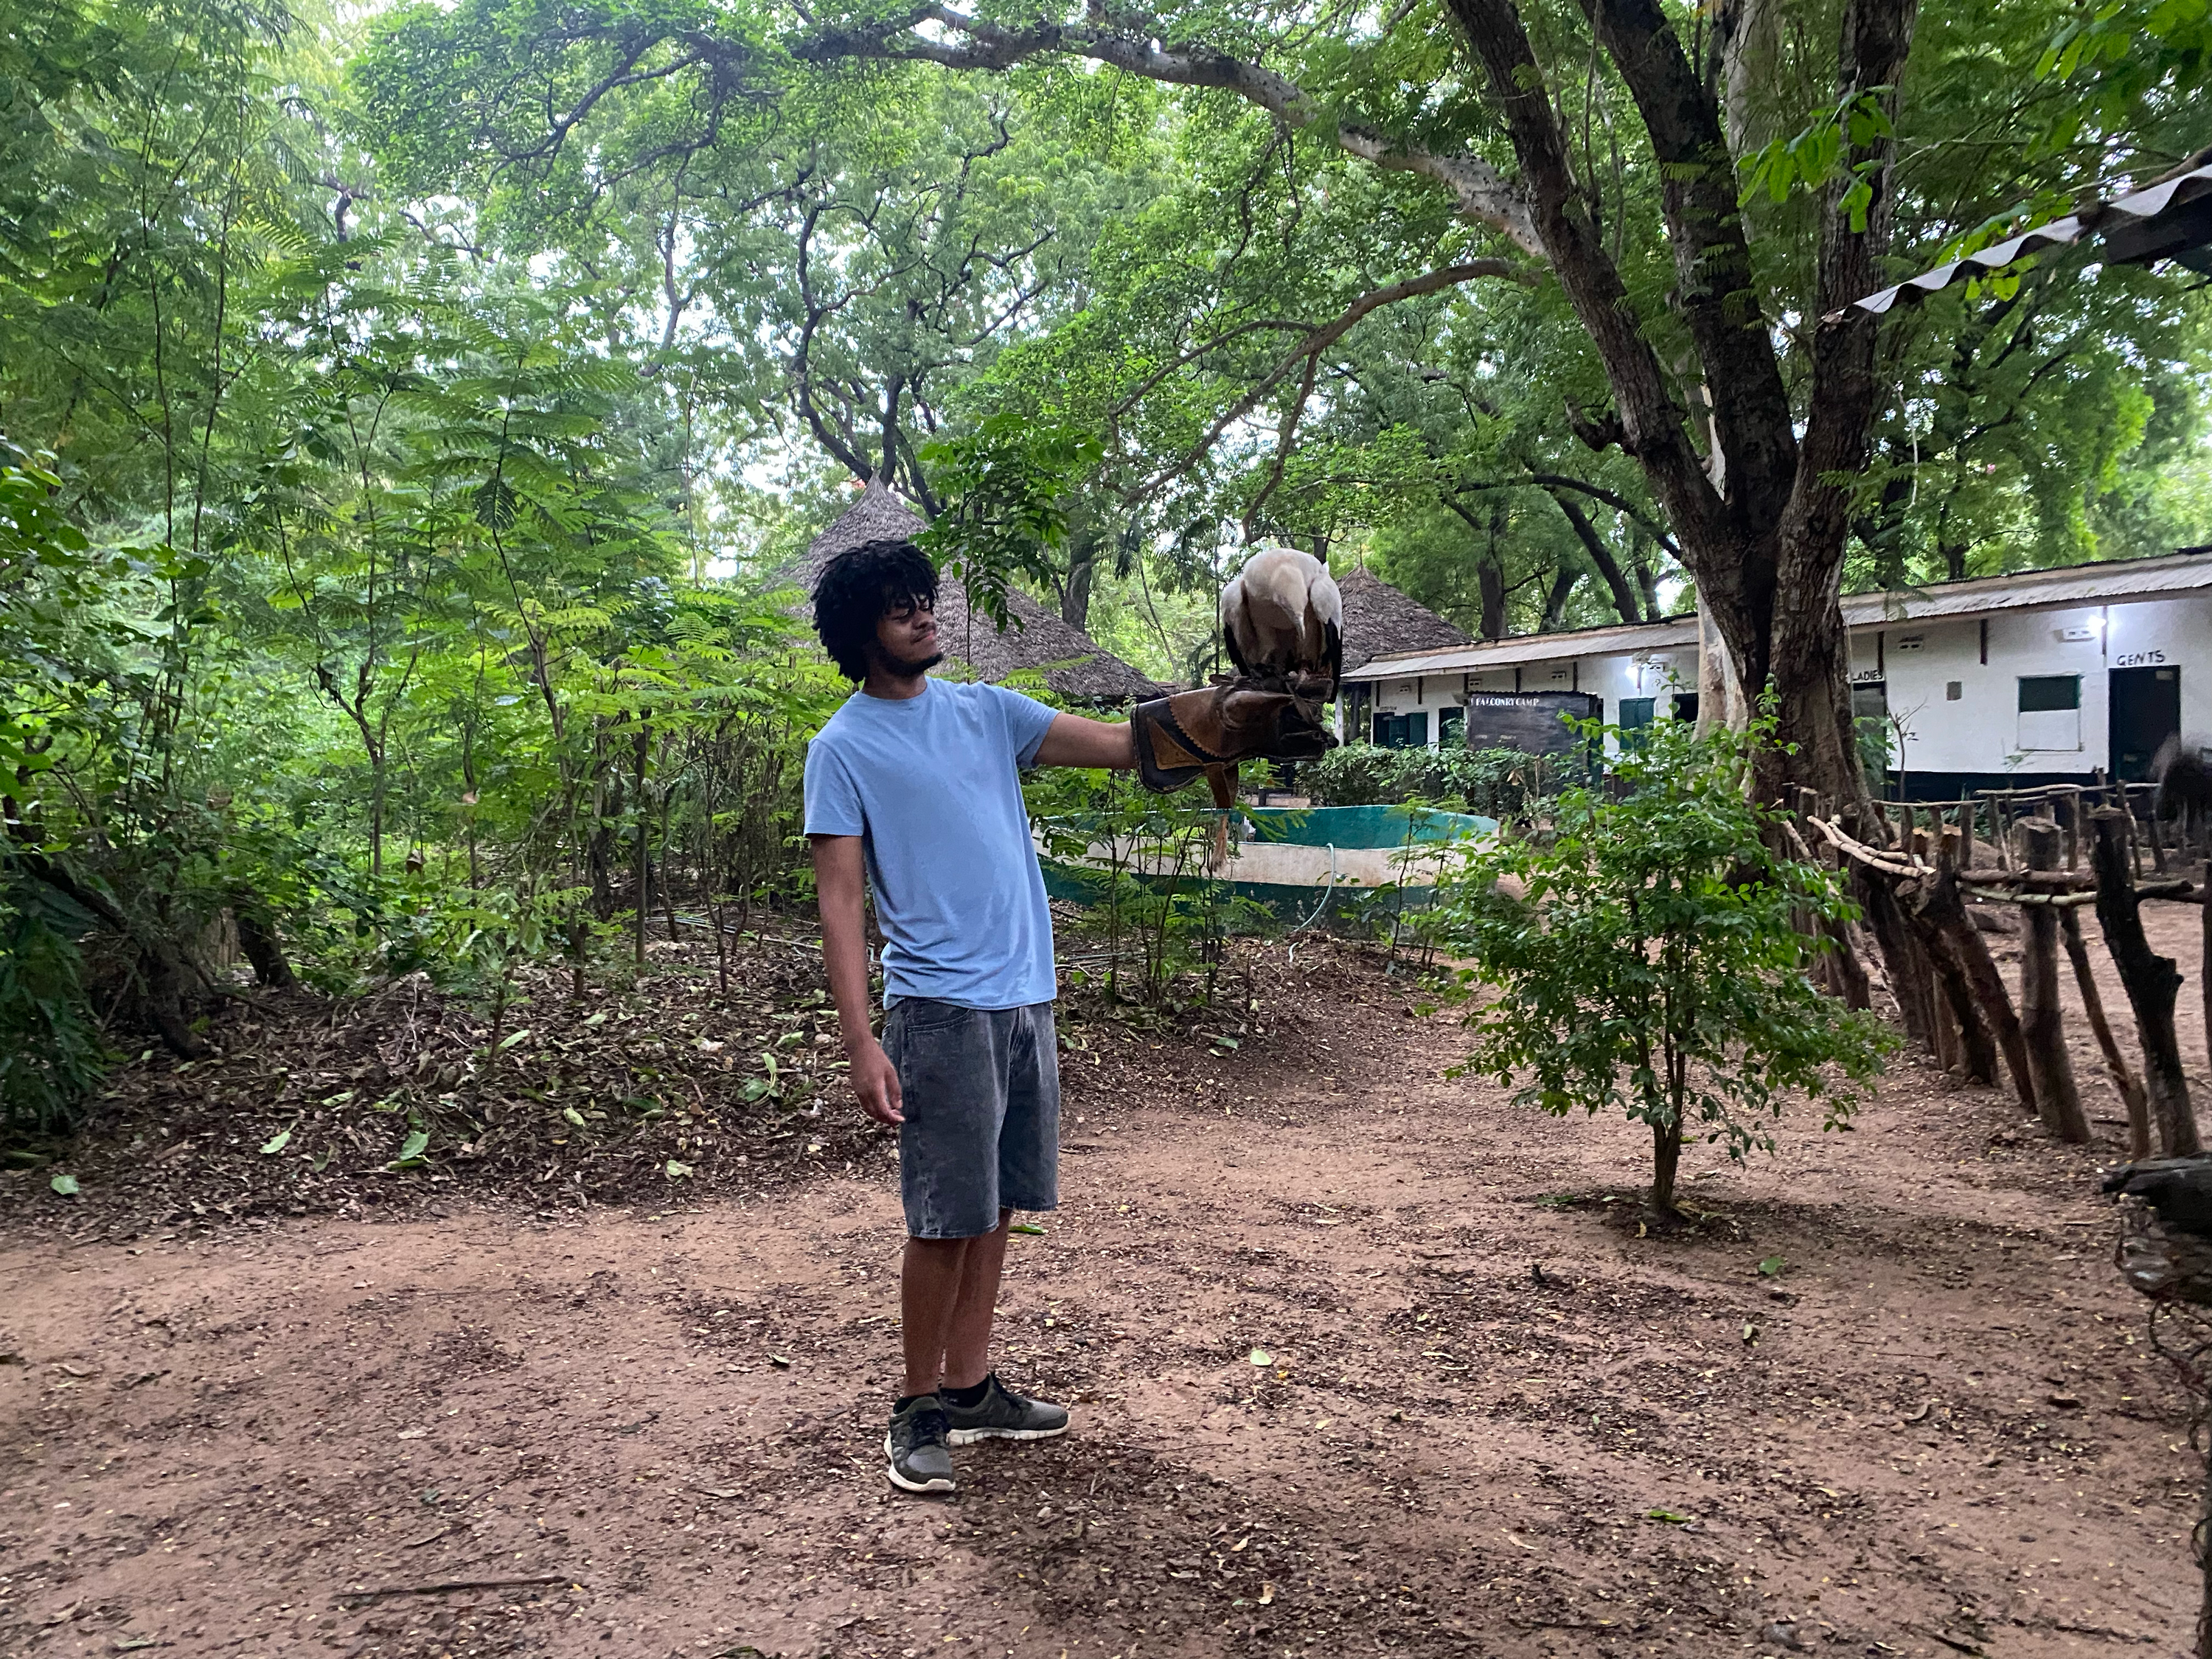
x=931 y=785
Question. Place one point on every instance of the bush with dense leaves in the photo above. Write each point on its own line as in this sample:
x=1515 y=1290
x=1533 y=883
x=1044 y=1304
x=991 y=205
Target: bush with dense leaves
x=1645 y=957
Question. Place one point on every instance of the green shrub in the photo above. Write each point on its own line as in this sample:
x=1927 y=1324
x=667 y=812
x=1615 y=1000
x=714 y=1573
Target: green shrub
x=1154 y=908
x=1498 y=783
x=1652 y=964
x=51 y=1056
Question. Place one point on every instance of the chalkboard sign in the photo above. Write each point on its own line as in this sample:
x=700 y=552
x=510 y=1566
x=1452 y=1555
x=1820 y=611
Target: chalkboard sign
x=1534 y=722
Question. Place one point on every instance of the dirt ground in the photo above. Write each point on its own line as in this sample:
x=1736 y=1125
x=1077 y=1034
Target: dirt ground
x=1360 y=1358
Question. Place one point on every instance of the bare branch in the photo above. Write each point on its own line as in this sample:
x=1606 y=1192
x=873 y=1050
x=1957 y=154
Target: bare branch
x=1482 y=193
x=1320 y=339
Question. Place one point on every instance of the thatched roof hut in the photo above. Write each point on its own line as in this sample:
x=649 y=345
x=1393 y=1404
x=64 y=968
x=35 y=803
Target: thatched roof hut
x=1075 y=664
x=1379 y=621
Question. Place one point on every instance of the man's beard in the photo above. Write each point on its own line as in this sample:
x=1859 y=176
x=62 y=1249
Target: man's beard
x=903 y=668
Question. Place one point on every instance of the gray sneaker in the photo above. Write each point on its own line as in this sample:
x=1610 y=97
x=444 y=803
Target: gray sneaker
x=1002 y=1415
x=917 y=1447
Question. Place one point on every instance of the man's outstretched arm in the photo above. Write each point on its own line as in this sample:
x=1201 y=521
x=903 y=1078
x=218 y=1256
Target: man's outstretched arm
x=840 y=885
x=1071 y=740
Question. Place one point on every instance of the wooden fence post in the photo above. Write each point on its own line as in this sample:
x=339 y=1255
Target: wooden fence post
x=1900 y=954
x=1962 y=1038
x=2157 y=835
x=1987 y=1004
x=2042 y=1025
x=2152 y=984
x=1840 y=966
x=2116 y=1063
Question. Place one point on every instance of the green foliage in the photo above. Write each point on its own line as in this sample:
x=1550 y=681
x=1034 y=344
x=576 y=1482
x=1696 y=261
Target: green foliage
x=1810 y=160
x=1004 y=488
x=423 y=419
x=1647 y=959
x=1499 y=783
x=1155 y=914
x=51 y=1055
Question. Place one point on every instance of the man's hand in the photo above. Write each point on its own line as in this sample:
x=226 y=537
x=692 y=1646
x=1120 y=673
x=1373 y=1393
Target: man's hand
x=875 y=1080
x=1179 y=737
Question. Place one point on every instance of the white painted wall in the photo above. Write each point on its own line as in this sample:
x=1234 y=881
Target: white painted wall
x=1658 y=675
x=1980 y=730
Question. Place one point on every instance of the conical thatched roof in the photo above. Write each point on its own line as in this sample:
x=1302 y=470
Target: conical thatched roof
x=1380 y=621
x=1076 y=665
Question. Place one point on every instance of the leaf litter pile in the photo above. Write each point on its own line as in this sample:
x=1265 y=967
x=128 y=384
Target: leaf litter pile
x=656 y=1092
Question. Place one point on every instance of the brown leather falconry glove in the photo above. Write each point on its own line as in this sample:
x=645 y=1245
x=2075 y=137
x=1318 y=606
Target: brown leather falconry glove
x=1179 y=737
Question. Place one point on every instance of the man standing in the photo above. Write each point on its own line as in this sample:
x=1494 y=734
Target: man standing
x=913 y=789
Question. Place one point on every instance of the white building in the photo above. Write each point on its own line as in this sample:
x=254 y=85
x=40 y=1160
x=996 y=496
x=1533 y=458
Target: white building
x=2047 y=676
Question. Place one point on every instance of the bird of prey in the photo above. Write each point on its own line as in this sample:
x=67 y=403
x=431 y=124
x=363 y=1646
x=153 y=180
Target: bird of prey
x=1283 y=620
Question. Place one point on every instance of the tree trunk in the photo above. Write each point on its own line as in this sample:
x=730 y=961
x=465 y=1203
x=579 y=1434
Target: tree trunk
x=1908 y=979
x=1978 y=1049
x=1490 y=577
x=2042 y=1023
x=2153 y=985
x=1986 y=1015
x=1075 y=586
x=257 y=937
x=1762 y=517
x=1647 y=581
x=161 y=993
x=160 y=964
x=1851 y=975
x=640 y=749
x=1808 y=673
x=1555 y=603
x=1666 y=1163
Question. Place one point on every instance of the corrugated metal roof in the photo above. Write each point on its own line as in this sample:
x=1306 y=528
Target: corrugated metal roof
x=1532 y=648
x=2171 y=219
x=2118 y=581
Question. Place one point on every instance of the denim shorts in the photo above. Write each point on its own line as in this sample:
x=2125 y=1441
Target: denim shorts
x=979 y=1090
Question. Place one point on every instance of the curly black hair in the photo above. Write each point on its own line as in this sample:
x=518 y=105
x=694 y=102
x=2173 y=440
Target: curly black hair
x=858 y=587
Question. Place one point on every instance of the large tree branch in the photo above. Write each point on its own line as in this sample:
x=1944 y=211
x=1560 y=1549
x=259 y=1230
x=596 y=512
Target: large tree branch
x=1616 y=580
x=1320 y=340
x=1651 y=422
x=1619 y=503
x=1714 y=286
x=1877 y=35
x=967 y=42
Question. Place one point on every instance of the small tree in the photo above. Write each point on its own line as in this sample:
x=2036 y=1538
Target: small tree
x=1654 y=962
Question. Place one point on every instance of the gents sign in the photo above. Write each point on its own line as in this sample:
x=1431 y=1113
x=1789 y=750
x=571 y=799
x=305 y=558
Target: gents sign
x=1534 y=722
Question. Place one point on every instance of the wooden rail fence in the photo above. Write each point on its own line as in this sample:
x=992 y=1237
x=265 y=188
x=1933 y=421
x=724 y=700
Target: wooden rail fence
x=2048 y=854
